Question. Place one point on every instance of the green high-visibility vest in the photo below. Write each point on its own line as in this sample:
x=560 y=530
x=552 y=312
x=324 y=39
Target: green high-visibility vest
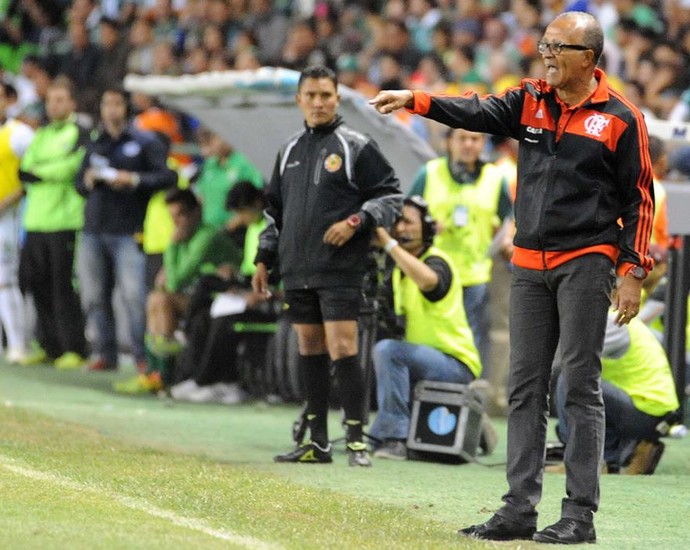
x=643 y=372
x=442 y=324
x=251 y=246
x=468 y=216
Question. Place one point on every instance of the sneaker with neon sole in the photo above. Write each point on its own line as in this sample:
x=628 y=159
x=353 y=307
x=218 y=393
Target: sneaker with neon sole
x=163 y=346
x=308 y=453
x=357 y=454
x=33 y=357
x=140 y=384
x=69 y=361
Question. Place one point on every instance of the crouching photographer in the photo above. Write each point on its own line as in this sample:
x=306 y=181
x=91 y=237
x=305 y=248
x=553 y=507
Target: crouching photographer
x=438 y=344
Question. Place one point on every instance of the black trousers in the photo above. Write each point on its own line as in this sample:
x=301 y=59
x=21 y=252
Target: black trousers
x=211 y=352
x=47 y=273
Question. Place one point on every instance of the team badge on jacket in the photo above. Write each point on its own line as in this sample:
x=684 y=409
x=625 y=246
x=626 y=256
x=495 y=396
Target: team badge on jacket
x=333 y=162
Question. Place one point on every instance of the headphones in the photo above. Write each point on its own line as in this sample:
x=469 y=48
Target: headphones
x=428 y=223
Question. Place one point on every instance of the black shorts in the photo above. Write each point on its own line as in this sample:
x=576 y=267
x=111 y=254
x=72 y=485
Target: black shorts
x=316 y=305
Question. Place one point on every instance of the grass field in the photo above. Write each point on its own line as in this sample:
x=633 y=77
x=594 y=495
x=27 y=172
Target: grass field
x=81 y=467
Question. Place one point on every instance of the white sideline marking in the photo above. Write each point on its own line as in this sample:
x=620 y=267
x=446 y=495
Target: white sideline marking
x=138 y=505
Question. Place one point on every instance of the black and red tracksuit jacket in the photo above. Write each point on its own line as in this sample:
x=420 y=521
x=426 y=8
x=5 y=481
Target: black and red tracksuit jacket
x=584 y=172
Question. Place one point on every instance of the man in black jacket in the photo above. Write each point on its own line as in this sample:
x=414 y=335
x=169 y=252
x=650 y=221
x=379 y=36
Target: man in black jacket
x=331 y=186
x=122 y=168
x=583 y=164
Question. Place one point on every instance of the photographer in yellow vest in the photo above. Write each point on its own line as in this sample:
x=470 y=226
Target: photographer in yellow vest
x=469 y=199
x=639 y=398
x=438 y=343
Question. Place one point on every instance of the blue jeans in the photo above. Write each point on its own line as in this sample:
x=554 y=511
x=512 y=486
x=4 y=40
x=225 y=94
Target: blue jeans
x=106 y=260
x=476 y=301
x=567 y=304
x=626 y=425
x=399 y=365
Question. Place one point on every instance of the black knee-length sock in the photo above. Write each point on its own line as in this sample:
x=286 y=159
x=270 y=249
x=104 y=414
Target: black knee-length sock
x=351 y=385
x=317 y=381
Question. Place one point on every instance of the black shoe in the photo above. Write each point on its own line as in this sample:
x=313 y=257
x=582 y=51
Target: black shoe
x=499 y=528
x=567 y=531
x=308 y=453
x=357 y=454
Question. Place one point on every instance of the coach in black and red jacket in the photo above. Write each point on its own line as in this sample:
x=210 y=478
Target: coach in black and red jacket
x=584 y=206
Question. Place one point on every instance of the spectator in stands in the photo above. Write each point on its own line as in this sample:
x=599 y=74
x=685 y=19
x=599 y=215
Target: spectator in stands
x=331 y=186
x=469 y=198
x=122 y=168
x=302 y=49
x=331 y=39
x=164 y=60
x=463 y=73
x=37 y=71
x=80 y=64
x=212 y=40
x=398 y=45
x=112 y=67
x=247 y=59
x=438 y=343
x=195 y=61
x=89 y=13
x=15 y=138
x=351 y=75
x=442 y=39
x=661 y=240
x=525 y=25
x=140 y=56
x=164 y=20
x=53 y=217
x=33 y=22
x=495 y=43
x=423 y=16
x=196 y=250
x=270 y=27
x=223 y=167
x=639 y=396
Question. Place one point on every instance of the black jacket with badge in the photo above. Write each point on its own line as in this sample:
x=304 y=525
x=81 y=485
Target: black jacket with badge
x=122 y=211
x=323 y=175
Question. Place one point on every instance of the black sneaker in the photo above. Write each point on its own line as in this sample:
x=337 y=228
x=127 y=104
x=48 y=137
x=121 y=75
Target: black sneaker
x=308 y=453
x=357 y=454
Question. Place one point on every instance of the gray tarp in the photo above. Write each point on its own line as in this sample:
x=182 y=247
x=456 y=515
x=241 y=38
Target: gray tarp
x=255 y=112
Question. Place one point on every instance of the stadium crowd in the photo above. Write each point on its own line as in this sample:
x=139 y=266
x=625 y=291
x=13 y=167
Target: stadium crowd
x=62 y=64
x=439 y=46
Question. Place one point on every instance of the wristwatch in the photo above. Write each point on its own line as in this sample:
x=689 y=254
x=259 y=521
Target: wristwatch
x=638 y=272
x=354 y=221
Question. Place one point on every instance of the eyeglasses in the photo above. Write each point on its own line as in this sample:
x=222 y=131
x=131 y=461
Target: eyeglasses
x=557 y=48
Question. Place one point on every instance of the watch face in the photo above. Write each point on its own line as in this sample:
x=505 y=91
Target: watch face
x=638 y=272
x=354 y=220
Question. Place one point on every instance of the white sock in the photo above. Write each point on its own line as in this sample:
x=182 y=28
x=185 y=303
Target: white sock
x=12 y=317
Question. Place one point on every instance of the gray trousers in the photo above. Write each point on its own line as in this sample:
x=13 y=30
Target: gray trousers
x=569 y=303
